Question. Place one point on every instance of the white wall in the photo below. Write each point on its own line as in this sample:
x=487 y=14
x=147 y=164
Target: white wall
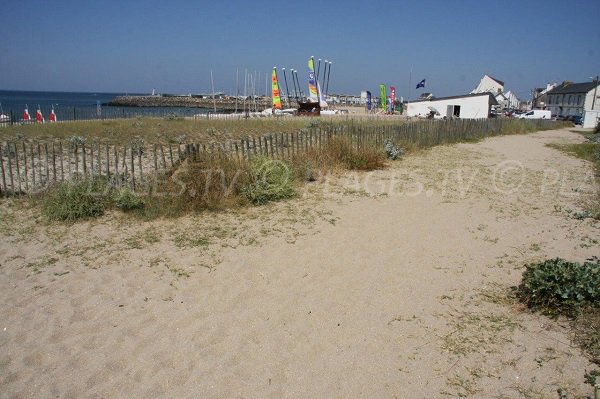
x=589 y=99
x=591 y=119
x=470 y=107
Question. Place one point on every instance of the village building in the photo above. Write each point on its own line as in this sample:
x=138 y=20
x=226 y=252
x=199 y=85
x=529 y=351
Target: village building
x=468 y=106
x=575 y=99
x=540 y=96
x=507 y=100
x=489 y=85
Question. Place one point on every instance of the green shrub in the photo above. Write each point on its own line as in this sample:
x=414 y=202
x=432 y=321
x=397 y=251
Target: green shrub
x=270 y=180
x=557 y=286
x=127 y=200
x=75 y=200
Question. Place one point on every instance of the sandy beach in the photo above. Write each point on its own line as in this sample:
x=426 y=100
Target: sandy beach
x=387 y=284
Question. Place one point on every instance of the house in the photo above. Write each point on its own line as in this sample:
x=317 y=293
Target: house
x=507 y=100
x=468 y=106
x=426 y=96
x=489 y=85
x=575 y=99
x=540 y=96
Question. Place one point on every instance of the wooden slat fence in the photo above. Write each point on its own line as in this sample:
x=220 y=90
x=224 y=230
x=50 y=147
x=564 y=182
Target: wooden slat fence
x=28 y=167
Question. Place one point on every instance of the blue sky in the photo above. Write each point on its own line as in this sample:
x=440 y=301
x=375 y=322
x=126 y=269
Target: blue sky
x=171 y=45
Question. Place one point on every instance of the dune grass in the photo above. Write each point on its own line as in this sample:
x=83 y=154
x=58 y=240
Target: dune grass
x=589 y=152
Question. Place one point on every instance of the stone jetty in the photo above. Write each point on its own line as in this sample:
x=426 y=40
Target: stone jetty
x=187 y=101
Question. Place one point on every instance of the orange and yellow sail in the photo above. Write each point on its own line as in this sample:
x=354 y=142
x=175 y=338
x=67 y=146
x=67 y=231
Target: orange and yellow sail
x=275 y=90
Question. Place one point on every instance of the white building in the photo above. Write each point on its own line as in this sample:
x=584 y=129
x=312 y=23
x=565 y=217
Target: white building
x=468 y=106
x=489 y=85
x=574 y=99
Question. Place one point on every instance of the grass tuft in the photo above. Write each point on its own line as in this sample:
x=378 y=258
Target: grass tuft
x=82 y=198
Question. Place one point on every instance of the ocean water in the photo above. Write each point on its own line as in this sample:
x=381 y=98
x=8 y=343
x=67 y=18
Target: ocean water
x=78 y=106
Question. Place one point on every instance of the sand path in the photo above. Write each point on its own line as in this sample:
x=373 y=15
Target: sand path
x=387 y=284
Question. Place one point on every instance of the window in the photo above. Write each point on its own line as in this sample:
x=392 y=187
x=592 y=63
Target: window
x=579 y=99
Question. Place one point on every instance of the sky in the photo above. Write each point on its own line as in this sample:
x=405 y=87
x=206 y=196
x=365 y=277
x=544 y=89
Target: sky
x=173 y=45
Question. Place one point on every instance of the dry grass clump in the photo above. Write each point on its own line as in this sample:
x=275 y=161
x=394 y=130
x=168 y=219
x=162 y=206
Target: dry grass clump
x=210 y=182
x=335 y=156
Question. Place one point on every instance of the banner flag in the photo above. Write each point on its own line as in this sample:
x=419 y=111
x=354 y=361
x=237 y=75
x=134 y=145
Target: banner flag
x=382 y=97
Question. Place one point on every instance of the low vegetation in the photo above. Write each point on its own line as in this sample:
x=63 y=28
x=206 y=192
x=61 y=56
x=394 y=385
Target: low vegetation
x=589 y=151
x=208 y=182
x=557 y=287
x=75 y=200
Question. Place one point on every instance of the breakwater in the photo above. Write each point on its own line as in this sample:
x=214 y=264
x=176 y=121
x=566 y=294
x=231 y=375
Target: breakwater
x=191 y=102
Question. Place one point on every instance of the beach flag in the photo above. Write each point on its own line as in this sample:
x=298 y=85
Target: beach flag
x=38 y=116
x=26 y=116
x=52 y=117
x=421 y=84
x=368 y=100
x=392 y=98
x=383 y=97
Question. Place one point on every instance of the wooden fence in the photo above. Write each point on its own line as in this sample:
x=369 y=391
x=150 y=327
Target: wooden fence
x=28 y=167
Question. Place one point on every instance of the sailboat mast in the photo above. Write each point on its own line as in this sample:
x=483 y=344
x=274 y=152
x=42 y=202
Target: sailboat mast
x=287 y=90
x=299 y=87
x=328 y=73
x=212 y=83
x=237 y=87
x=316 y=78
x=324 y=74
x=318 y=71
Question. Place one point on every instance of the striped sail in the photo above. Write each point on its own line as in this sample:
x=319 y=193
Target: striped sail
x=275 y=90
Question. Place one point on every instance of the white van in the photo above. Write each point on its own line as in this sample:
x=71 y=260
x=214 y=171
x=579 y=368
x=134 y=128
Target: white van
x=536 y=114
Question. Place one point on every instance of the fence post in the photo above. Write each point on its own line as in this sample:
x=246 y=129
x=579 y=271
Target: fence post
x=25 y=167
x=10 y=171
x=3 y=174
x=53 y=163
x=39 y=154
x=32 y=166
x=162 y=155
x=107 y=162
x=132 y=168
x=62 y=170
x=84 y=160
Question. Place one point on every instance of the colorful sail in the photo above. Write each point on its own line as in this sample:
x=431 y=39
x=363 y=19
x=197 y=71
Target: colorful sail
x=383 y=97
x=275 y=90
x=313 y=92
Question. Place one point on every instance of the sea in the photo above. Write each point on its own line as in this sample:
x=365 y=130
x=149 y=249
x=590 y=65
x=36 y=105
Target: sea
x=79 y=106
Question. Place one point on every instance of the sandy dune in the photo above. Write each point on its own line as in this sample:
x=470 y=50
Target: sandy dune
x=380 y=285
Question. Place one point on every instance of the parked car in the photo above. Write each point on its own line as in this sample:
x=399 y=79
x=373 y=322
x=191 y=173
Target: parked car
x=536 y=114
x=577 y=119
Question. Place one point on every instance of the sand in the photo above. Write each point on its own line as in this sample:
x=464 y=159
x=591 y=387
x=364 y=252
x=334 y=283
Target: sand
x=388 y=284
